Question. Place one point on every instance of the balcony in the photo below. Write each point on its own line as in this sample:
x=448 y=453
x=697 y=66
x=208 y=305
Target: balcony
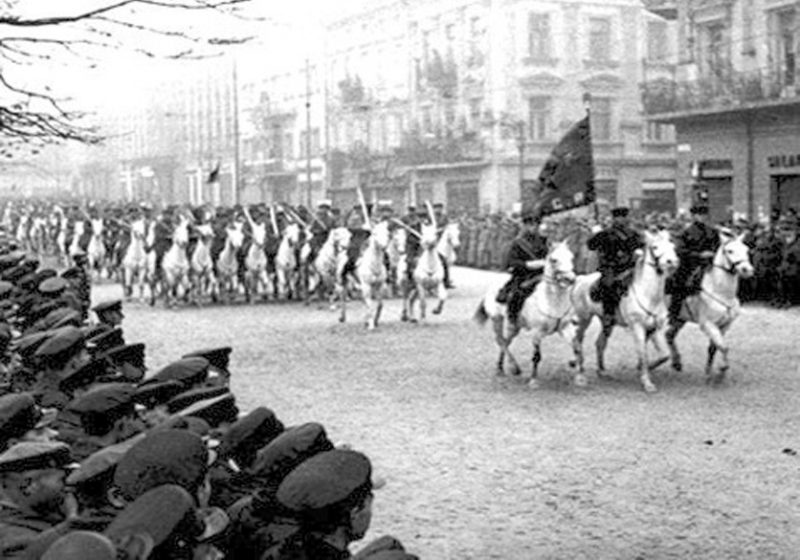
x=736 y=91
x=668 y=9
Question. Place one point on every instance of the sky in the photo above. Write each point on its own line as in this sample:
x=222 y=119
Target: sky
x=113 y=77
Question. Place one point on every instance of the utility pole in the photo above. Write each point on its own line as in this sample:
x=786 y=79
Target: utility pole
x=236 y=177
x=308 y=134
x=520 y=126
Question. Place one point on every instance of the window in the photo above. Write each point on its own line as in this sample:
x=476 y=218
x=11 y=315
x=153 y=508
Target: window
x=657 y=132
x=427 y=120
x=787 y=45
x=539 y=118
x=657 y=41
x=288 y=147
x=601 y=119
x=599 y=39
x=475 y=111
x=475 y=41
x=714 y=49
x=315 y=142
x=539 y=36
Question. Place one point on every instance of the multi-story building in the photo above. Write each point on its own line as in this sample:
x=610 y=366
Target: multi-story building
x=734 y=99
x=461 y=100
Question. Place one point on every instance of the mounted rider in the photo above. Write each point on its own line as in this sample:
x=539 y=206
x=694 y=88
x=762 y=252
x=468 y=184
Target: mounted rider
x=441 y=222
x=525 y=261
x=162 y=235
x=696 y=246
x=617 y=249
x=360 y=232
x=321 y=225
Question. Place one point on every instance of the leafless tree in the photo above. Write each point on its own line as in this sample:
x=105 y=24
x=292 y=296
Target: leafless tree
x=35 y=114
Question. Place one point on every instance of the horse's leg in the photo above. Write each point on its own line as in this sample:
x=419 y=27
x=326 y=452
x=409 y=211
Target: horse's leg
x=497 y=325
x=717 y=340
x=508 y=334
x=423 y=300
x=640 y=338
x=379 y=309
x=577 y=350
x=367 y=294
x=533 y=382
x=441 y=293
x=660 y=343
x=672 y=334
x=600 y=346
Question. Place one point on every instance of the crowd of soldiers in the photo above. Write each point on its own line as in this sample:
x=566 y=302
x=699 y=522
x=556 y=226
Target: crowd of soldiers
x=773 y=242
x=100 y=460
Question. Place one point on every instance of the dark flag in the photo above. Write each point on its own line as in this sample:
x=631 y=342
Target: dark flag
x=567 y=178
x=213 y=177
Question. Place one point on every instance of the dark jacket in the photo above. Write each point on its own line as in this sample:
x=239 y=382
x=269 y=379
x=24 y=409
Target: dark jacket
x=526 y=247
x=616 y=248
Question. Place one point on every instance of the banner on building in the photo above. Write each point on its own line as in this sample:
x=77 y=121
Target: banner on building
x=567 y=177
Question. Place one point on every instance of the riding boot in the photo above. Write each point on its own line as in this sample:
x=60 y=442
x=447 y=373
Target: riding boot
x=675 y=306
x=447 y=283
x=504 y=292
x=514 y=307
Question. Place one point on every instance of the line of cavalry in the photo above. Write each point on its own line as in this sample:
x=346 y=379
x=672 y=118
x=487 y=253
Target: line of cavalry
x=560 y=304
x=252 y=266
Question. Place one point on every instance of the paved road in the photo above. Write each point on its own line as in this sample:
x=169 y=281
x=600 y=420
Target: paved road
x=484 y=468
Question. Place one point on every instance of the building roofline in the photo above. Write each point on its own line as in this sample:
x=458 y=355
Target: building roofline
x=720 y=111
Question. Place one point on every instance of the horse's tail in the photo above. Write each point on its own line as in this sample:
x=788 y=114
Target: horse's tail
x=481 y=316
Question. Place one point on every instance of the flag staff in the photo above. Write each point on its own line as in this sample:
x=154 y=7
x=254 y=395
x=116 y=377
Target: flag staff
x=587 y=105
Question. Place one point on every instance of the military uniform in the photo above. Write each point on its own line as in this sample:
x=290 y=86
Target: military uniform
x=526 y=247
x=692 y=243
x=616 y=250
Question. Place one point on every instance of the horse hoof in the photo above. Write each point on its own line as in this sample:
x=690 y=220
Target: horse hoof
x=677 y=366
x=581 y=381
x=649 y=388
x=533 y=383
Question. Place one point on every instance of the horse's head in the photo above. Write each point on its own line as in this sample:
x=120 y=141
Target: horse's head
x=560 y=265
x=78 y=228
x=259 y=234
x=205 y=231
x=660 y=252
x=138 y=229
x=292 y=234
x=97 y=226
x=428 y=236
x=399 y=238
x=452 y=234
x=340 y=238
x=235 y=235
x=380 y=235
x=180 y=235
x=735 y=254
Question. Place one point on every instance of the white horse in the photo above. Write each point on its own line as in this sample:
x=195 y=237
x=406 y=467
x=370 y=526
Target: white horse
x=449 y=242
x=204 y=280
x=642 y=309
x=96 y=250
x=329 y=265
x=399 y=260
x=716 y=306
x=371 y=273
x=151 y=267
x=257 y=280
x=78 y=229
x=428 y=277
x=548 y=310
x=227 y=261
x=176 y=264
x=286 y=262
x=62 y=249
x=134 y=263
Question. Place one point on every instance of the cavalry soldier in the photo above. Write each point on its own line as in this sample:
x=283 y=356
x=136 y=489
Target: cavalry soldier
x=616 y=248
x=163 y=239
x=441 y=221
x=696 y=245
x=359 y=235
x=321 y=225
x=526 y=259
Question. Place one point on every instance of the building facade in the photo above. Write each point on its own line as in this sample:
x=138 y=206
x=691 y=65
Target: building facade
x=734 y=99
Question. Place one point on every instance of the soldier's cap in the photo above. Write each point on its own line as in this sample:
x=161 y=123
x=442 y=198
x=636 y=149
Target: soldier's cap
x=13 y=274
x=188 y=371
x=620 y=212
x=63 y=317
x=11 y=260
x=46 y=273
x=101 y=463
x=154 y=393
x=18 y=415
x=72 y=272
x=215 y=411
x=699 y=209
x=192 y=424
x=35 y=455
x=325 y=204
x=106 y=306
x=27 y=345
x=438 y=206
x=104 y=400
x=28 y=282
x=127 y=353
x=41 y=310
x=84 y=376
x=252 y=431
x=162 y=457
x=61 y=345
x=166 y=513
x=81 y=545
x=188 y=398
x=6 y=289
x=332 y=480
x=103 y=342
x=277 y=459
x=217 y=357
x=92 y=331
x=53 y=286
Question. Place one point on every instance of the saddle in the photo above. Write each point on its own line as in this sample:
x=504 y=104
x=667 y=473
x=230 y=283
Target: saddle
x=618 y=284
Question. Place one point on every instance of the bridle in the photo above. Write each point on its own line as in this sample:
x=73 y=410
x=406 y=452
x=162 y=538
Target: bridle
x=733 y=264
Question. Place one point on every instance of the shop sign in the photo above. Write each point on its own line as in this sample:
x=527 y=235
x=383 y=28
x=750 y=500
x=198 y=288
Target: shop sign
x=784 y=160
